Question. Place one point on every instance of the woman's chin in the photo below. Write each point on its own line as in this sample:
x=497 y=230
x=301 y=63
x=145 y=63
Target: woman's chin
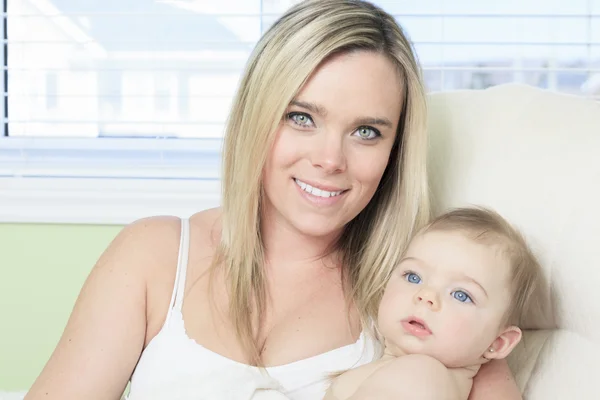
x=319 y=229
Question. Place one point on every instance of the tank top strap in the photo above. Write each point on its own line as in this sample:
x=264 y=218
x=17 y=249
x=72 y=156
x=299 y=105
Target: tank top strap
x=181 y=273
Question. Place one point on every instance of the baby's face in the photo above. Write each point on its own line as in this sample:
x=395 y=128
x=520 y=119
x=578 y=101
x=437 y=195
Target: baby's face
x=446 y=299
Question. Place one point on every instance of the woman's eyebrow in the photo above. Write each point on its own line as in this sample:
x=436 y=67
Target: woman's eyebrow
x=374 y=121
x=322 y=111
x=312 y=107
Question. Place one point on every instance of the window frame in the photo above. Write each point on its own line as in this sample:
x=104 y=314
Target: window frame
x=48 y=183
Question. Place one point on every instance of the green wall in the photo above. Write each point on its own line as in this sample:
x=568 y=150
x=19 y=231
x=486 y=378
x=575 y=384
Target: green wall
x=42 y=268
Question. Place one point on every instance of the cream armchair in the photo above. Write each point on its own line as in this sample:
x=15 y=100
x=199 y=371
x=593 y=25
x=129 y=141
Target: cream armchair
x=534 y=156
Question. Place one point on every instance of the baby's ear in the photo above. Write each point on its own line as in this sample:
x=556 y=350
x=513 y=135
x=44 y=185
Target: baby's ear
x=504 y=343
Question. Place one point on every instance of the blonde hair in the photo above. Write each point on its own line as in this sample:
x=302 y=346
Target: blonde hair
x=526 y=279
x=282 y=61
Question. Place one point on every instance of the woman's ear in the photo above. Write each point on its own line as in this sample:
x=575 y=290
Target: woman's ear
x=503 y=344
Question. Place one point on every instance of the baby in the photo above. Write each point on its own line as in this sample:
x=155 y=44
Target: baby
x=453 y=303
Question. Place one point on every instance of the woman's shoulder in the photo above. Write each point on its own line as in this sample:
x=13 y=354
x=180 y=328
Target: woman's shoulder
x=146 y=245
x=207 y=224
x=143 y=243
x=151 y=247
x=148 y=248
x=153 y=242
x=205 y=236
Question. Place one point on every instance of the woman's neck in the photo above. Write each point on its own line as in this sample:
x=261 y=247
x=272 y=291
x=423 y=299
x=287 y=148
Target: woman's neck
x=286 y=246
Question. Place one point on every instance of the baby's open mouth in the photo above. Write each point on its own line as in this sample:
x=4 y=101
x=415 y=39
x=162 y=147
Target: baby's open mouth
x=418 y=324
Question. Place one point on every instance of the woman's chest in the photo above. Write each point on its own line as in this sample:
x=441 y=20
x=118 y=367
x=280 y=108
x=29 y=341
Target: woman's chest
x=302 y=326
x=300 y=321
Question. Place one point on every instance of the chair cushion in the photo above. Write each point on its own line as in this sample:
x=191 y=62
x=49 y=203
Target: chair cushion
x=534 y=156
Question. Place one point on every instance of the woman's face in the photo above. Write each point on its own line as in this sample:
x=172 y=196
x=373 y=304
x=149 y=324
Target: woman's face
x=333 y=144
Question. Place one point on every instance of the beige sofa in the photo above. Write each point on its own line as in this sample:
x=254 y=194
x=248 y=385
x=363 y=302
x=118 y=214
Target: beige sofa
x=534 y=156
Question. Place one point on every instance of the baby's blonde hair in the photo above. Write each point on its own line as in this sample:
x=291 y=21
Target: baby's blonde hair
x=529 y=290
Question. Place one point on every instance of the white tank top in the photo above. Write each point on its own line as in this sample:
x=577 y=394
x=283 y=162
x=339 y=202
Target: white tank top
x=173 y=364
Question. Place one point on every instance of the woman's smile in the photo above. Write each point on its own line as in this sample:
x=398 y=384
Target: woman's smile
x=322 y=195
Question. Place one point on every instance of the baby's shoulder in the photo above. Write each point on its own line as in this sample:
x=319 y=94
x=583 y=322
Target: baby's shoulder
x=416 y=376
x=428 y=372
x=347 y=383
x=411 y=376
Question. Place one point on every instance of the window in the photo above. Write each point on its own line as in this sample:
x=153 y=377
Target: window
x=476 y=44
x=109 y=94
x=51 y=90
x=113 y=92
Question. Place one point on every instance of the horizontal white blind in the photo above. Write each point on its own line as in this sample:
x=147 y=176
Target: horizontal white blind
x=120 y=74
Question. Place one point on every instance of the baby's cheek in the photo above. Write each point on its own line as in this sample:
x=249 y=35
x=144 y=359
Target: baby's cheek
x=392 y=311
x=461 y=326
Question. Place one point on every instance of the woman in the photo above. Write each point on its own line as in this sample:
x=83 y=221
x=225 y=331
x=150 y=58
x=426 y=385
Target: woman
x=324 y=182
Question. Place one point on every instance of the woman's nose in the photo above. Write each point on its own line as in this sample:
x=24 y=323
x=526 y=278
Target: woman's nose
x=328 y=152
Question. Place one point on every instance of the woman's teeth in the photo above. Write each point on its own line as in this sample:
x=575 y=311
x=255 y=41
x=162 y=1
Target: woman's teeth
x=316 y=192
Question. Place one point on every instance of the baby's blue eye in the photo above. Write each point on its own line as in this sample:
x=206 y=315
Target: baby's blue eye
x=462 y=296
x=412 y=278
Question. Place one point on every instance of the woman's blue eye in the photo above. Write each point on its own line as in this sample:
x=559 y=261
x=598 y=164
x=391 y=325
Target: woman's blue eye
x=300 y=119
x=462 y=296
x=412 y=278
x=367 y=133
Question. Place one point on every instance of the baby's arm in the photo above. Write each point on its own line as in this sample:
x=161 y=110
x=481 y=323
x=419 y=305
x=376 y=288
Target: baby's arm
x=414 y=376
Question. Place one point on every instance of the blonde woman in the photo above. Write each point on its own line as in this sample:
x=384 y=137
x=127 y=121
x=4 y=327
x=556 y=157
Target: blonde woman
x=324 y=181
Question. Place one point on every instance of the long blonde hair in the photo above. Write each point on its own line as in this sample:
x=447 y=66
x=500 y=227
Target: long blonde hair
x=282 y=61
